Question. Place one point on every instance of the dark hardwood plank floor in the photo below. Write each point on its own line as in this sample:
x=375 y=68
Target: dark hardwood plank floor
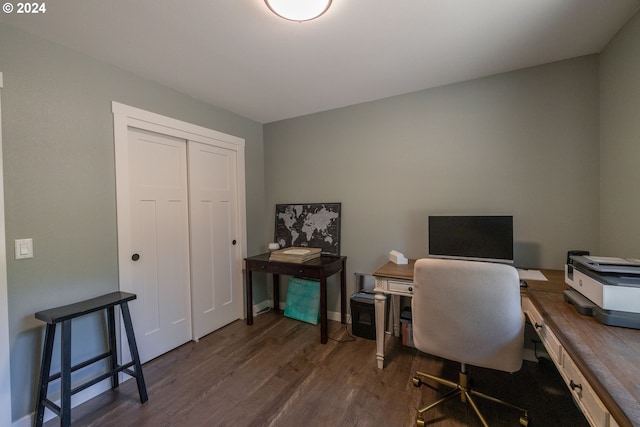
x=276 y=373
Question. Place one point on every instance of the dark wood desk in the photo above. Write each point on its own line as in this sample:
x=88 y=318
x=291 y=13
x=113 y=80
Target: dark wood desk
x=317 y=269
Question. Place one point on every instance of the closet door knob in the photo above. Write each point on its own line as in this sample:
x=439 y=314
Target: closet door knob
x=233 y=242
x=135 y=257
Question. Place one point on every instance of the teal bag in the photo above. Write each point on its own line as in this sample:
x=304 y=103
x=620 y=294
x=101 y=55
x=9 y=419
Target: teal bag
x=303 y=300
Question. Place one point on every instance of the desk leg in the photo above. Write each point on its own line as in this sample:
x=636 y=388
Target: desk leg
x=380 y=302
x=395 y=317
x=343 y=292
x=65 y=374
x=323 y=308
x=249 y=296
x=276 y=293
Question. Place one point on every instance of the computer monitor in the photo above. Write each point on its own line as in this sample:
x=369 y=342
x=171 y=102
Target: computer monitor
x=483 y=238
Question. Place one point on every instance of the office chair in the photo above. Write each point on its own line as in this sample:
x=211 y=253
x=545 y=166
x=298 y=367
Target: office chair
x=468 y=312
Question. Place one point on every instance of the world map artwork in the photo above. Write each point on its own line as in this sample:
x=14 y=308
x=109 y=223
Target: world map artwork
x=315 y=225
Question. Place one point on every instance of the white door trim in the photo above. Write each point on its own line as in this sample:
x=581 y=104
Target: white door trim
x=125 y=116
x=5 y=366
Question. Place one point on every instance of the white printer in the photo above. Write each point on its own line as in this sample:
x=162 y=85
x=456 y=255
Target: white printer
x=607 y=288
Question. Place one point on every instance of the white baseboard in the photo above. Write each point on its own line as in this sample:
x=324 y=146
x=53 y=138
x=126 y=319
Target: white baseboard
x=76 y=399
x=529 y=354
x=257 y=308
x=533 y=354
x=331 y=315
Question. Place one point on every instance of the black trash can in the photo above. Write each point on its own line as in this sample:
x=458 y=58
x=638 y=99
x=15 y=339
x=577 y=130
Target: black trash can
x=363 y=315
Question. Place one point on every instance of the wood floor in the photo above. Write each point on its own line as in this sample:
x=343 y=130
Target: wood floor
x=276 y=373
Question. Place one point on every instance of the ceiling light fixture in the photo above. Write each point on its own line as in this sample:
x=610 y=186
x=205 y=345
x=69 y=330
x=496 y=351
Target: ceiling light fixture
x=298 y=10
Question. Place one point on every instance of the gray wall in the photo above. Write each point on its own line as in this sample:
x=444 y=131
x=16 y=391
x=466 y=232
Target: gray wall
x=523 y=143
x=60 y=185
x=620 y=143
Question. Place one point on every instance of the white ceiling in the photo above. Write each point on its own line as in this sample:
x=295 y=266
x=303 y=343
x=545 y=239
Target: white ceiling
x=237 y=55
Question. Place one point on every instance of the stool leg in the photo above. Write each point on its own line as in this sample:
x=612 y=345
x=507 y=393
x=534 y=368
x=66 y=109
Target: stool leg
x=65 y=374
x=111 y=332
x=133 y=349
x=45 y=369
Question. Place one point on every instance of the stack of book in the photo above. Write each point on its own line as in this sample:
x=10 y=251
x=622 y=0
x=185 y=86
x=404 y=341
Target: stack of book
x=294 y=254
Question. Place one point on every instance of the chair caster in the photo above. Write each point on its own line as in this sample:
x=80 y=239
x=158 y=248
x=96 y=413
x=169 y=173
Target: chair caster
x=417 y=382
x=420 y=422
x=524 y=420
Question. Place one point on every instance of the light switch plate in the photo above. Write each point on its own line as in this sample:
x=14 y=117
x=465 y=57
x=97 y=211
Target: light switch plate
x=24 y=248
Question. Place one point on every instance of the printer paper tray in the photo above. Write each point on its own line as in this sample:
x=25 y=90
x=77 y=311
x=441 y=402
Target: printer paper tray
x=605 y=296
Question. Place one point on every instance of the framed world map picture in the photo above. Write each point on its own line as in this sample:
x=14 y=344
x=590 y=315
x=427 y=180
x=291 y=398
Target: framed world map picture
x=314 y=225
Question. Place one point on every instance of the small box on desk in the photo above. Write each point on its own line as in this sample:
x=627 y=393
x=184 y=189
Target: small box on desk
x=363 y=315
x=407 y=327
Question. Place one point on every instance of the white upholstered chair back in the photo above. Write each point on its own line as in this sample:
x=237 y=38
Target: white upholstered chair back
x=469 y=312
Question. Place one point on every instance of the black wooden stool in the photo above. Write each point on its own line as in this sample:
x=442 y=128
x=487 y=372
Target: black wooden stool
x=64 y=315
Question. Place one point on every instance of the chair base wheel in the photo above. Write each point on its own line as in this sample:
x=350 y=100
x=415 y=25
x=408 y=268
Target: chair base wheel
x=417 y=382
x=420 y=422
x=524 y=421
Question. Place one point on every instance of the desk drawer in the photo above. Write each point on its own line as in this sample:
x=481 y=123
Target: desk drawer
x=288 y=269
x=549 y=340
x=400 y=286
x=552 y=344
x=585 y=397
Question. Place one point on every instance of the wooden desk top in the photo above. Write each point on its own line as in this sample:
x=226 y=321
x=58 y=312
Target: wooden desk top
x=396 y=271
x=321 y=261
x=608 y=356
x=555 y=282
x=405 y=272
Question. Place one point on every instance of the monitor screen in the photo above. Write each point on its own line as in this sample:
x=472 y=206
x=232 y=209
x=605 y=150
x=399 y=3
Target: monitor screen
x=485 y=238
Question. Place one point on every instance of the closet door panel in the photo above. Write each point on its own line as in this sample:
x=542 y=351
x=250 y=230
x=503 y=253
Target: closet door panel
x=214 y=235
x=158 y=207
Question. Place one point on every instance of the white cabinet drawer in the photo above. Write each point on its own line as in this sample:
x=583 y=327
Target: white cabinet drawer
x=585 y=397
x=549 y=340
x=552 y=345
x=401 y=286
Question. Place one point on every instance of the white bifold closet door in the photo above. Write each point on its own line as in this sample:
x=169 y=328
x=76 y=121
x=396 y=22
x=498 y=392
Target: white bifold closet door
x=183 y=234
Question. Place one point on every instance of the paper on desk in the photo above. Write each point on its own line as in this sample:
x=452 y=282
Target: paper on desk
x=297 y=251
x=531 y=274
